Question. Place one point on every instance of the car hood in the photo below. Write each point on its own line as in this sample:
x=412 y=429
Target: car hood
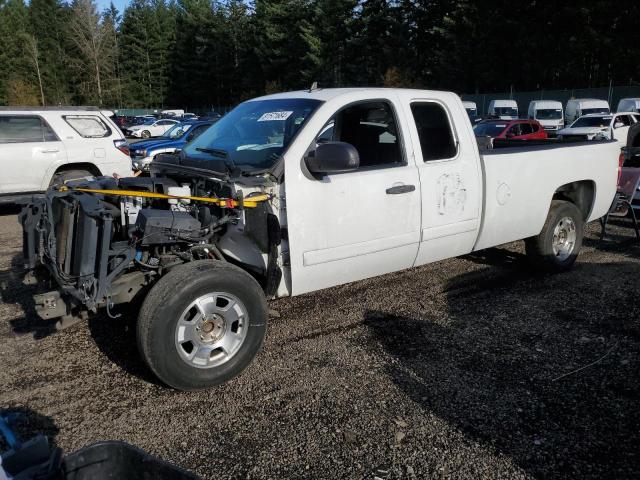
x=582 y=130
x=149 y=143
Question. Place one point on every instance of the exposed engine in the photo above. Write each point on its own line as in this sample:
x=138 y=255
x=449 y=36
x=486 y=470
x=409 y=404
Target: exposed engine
x=105 y=240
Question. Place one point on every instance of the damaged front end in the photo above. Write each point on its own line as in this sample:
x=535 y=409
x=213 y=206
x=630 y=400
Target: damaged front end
x=100 y=249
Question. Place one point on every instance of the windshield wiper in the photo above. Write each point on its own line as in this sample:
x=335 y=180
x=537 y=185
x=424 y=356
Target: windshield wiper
x=214 y=151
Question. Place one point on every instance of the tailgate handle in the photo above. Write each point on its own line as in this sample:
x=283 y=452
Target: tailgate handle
x=398 y=189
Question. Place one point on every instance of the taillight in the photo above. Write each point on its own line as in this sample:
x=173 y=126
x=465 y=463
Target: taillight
x=123 y=146
x=620 y=164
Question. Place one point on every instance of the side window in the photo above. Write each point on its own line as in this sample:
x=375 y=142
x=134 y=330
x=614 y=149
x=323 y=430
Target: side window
x=25 y=128
x=88 y=126
x=624 y=119
x=526 y=129
x=371 y=128
x=514 y=131
x=437 y=141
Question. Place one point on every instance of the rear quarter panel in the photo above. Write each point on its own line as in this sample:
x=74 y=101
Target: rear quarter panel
x=519 y=184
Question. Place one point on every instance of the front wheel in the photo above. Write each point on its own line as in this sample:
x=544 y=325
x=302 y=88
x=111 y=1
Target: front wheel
x=557 y=246
x=202 y=324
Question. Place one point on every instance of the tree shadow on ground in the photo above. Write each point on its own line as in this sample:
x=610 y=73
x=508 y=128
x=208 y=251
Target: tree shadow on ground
x=501 y=368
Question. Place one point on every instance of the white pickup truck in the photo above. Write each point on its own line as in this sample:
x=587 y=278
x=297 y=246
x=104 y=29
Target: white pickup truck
x=296 y=192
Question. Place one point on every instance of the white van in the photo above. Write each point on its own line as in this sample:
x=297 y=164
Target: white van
x=505 y=109
x=578 y=107
x=42 y=146
x=472 y=110
x=549 y=113
x=629 y=105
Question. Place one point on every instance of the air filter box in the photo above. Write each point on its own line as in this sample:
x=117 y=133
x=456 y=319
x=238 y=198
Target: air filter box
x=165 y=226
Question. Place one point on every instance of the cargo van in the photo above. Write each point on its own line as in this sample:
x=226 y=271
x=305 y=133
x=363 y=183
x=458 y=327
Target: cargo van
x=629 y=105
x=549 y=113
x=505 y=109
x=472 y=110
x=578 y=107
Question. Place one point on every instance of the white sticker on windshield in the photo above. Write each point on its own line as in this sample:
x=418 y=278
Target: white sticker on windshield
x=274 y=116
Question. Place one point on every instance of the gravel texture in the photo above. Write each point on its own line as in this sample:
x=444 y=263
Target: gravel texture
x=444 y=371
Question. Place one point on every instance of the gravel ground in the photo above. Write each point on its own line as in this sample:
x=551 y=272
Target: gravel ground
x=452 y=370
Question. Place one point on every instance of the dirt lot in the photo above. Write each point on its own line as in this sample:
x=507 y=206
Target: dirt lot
x=446 y=371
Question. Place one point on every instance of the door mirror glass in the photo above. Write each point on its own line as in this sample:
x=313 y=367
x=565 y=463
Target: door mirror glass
x=333 y=157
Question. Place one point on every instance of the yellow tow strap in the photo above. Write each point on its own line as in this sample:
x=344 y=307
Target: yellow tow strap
x=249 y=202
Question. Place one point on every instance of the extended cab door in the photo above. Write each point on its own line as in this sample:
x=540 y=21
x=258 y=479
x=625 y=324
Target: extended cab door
x=450 y=178
x=28 y=148
x=349 y=226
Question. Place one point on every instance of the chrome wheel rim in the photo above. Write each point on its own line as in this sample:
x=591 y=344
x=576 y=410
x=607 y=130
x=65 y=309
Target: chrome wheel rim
x=211 y=330
x=564 y=238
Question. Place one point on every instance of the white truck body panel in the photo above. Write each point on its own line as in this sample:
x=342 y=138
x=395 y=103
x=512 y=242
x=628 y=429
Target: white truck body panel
x=550 y=125
x=494 y=105
x=344 y=227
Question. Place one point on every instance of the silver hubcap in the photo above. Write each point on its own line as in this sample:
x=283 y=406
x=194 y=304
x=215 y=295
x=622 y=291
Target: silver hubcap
x=564 y=238
x=211 y=330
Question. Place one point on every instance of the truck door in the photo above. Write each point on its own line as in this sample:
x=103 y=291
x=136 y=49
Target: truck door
x=28 y=148
x=358 y=224
x=450 y=179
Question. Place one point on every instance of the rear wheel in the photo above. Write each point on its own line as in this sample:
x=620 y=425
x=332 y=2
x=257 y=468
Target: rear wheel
x=202 y=324
x=557 y=246
x=60 y=177
x=145 y=134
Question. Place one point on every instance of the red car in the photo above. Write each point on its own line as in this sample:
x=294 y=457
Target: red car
x=510 y=129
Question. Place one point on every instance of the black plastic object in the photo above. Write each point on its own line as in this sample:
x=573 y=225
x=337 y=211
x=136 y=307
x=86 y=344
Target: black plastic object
x=165 y=226
x=117 y=460
x=333 y=157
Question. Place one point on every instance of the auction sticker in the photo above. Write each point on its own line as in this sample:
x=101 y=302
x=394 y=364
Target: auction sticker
x=274 y=116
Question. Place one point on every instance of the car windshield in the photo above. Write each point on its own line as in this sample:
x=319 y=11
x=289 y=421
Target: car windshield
x=549 y=114
x=592 y=122
x=587 y=111
x=254 y=134
x=178 y=130
x=505 y=111
x=492 y=129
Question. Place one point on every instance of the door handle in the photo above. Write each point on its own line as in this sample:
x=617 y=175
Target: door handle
x=50 y=150
x=398 y=189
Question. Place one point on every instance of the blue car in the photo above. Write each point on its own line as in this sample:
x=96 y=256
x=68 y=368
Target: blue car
x=143 y=153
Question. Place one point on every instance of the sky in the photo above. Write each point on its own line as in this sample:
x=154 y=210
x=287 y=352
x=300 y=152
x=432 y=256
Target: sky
x=120 y=4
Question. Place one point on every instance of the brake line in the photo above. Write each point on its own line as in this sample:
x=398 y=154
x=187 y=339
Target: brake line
x=248 y=202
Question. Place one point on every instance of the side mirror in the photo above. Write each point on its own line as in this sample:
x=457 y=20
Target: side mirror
x=333 y=157
x=618 y=125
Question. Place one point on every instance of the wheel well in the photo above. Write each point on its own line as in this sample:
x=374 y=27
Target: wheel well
x=89 y=167
x=581 y=194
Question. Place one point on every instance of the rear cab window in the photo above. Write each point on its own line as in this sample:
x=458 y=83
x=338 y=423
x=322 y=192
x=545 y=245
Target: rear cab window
x=437 y=139
x=88 y=126
x=25 y=129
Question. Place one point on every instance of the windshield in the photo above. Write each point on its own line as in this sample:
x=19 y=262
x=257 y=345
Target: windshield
x=592 y=122
x=506 y=111
x=587 y=111
x=178 y=130
x=253 y=134
x=490 y=128
x=549 y=114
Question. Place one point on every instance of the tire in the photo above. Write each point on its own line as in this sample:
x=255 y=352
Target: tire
x=61 y=177
x=171 y=318
x=145 y=134
x=557 y=246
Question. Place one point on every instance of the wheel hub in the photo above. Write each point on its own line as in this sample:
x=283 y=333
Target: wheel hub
x=211 y=328
x=564 y=238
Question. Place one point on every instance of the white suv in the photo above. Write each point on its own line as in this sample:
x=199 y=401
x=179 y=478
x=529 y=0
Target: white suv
x=45 y=146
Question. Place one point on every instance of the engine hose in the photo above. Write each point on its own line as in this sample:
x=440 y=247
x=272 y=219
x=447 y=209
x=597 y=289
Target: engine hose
x=248 y=202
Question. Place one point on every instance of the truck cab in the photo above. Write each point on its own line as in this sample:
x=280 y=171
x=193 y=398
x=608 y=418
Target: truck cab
x=579 y=107
x=504 y=109
x=549 y=113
